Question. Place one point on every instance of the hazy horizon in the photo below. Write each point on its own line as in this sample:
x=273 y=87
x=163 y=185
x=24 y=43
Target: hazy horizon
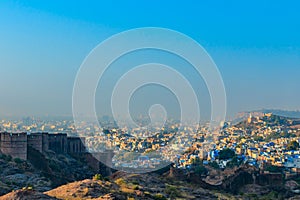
x=255 y=46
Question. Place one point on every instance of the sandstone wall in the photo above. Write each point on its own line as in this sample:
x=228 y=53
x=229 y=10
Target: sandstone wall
x=35 y=140
x=58 y=142
x=14 y=144
x=76 y=145
x=45 y=142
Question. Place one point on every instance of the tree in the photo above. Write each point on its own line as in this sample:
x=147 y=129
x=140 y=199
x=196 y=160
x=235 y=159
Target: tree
x=272 y=168
x=196 y=161
x=226 y=154
x=234 y=162
x=214 y=164
x=293 y=145
x=200 y=170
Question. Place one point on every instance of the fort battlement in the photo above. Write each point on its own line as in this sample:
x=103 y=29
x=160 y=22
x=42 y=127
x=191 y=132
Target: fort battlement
x=58 y=142
x=35 y=140
x=76 y=144
x=16 y=144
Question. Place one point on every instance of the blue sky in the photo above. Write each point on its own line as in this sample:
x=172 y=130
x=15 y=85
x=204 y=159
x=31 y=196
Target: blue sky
x=255 y=44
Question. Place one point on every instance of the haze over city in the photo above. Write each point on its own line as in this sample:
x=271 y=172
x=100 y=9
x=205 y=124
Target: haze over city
x=255 y=46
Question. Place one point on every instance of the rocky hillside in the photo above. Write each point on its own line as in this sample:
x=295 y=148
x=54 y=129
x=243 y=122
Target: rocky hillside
x=59 y=168
x=130 y=186
x=16 y=174
x=123 y=186
x=120 y=186
x=26 y=194
x=41 y=172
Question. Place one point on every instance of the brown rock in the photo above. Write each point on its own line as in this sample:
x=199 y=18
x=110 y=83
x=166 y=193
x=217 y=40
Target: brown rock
x=26 y=195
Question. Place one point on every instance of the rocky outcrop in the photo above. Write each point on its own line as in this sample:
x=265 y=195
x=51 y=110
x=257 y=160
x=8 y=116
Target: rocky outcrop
x=16 y=174
x=125 y=186
x=86 y=189
x=42 y=171
x=241 y=177
x=26 y=195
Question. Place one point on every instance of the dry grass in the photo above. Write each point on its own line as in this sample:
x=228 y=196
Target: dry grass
x=120 y=181
x=127 y=190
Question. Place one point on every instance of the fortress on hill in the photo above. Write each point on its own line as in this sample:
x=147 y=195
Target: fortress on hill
x=16 y=144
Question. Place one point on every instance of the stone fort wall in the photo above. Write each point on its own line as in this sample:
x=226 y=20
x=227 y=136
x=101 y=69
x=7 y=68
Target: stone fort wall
x=58 y=142
x=16 y=144
x=35 y=140
x=76 y=144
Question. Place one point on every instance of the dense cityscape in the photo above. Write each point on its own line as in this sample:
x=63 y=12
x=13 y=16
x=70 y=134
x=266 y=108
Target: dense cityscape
x=149 y=100
x=260 y=140
x=261 y=144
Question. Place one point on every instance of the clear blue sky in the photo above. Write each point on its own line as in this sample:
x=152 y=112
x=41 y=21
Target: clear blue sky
x=255 y=44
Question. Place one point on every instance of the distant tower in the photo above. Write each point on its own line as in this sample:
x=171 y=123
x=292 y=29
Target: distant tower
x=250 y=119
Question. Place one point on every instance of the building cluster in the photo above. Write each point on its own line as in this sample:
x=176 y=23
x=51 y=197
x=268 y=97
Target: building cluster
x=16 y=144
x=31 y=124
x=258 y=141
x=147 y=150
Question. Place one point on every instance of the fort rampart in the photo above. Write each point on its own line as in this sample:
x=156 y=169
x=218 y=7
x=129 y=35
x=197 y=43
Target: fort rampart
x=16 y=144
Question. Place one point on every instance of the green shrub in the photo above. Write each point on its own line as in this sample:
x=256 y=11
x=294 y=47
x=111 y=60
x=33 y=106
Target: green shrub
x=54 y=166
x=273 y=168
x=97 y=177
x=135 y=187
x=159 y=197
x=172 y=191
x=8 y=158
x=29 y=187
x=199 y=170
x=214 y=164
x=147 y=193
x=106 y=179
x=226 y=154
x=135 y=182
x=293 y=145
x=120 y=181
x=17 y=160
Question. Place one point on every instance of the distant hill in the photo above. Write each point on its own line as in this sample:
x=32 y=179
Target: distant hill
x=284 y=113
x=242 y=116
